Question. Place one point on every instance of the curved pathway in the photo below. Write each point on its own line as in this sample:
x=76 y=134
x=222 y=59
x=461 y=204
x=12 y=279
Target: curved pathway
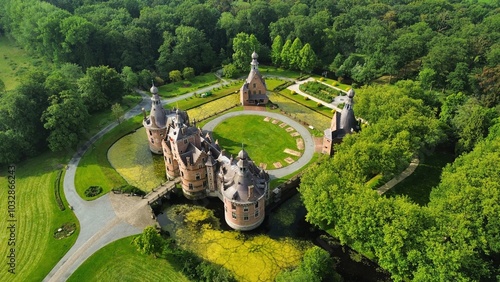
x=306 y=136
x=99 y=224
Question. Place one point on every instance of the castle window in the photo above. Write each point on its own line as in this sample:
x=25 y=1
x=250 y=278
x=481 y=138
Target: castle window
x=168 y=169
x=185 y=141
x=204 y=183
x=169 y=160
x=257 y=213
x=245 y=217
x=197 y=176
x=233 y=206
x=225 y=208
x=254 y=86
x=260 y=92
x=245 y=208
x=152 y=141
x=256 y=204
x=254 y=92
x=234 y=215
x=190 y=186
x=182 y=173
x=150 y=133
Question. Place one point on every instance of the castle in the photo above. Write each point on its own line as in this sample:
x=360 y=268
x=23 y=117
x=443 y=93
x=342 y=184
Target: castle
x=343 y=123
x=205 y=170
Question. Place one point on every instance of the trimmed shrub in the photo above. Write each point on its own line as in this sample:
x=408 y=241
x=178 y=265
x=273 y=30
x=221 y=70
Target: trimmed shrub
x=93 y=191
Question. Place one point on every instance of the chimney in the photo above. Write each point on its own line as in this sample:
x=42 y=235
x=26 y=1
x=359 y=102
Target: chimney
x=144 y=113
x=188 y=160
x=250 y=192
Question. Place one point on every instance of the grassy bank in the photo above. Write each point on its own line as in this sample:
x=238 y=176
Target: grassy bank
x=14 y=62
x=94 y=168
x=182 y=87
x=37 y=218
x=120 y=261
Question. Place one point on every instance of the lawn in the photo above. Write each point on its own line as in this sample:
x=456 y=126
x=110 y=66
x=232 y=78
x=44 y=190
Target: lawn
x=14 y=61
x=333 y=82
x=426 y=176
x=308 y=103
x=256 y=135
x=94 y=167
x=278 y=181
x=271 y=70
x=120 y=261
x=133 y=160
x=272 y=83
x=207 y=110
x=302 y=114
x=217 y=95
x=38 y=217
x=182 y=87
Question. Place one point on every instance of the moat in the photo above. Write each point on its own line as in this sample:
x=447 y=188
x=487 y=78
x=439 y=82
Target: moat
x=286 y=221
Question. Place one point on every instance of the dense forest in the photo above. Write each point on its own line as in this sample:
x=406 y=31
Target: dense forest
x=440 y=59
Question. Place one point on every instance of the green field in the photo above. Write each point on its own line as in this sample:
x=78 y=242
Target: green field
x=38 y=217
x=94 y=168
x=120 y=261
x=263 y=141
x=133 y=160
x=209 y=109
x=14 y=61
x=302 y=114
x=182 y=87
x=217 y=94
x=308 y=103
x=270 y=70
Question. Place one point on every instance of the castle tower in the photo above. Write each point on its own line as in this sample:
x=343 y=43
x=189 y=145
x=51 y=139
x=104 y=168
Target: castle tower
x=156 y=122
x=342 y=123
x=244 y=190
x=254 y=90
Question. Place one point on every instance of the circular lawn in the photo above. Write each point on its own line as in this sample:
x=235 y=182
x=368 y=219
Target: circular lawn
x=265 y=141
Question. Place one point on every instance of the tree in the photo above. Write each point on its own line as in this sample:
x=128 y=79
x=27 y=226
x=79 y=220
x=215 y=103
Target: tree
x=188 y=73
x=243 y=46
x=308 y=59
x=471 y=124
x=117 y=111
x=285 y=54
x=229 y=71
x=130 y=78
x=100 y=87
x=276 y=50
x=2 y=87
x=294 y=54
x=175 y=75
x=149 y=242
x=66 y=119
x=316 y=266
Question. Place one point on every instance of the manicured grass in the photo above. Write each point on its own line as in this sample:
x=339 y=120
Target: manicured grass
x=213 y=108
x=264 y=141
x=333 y=82
x=278 y=181
x=101 y=119
x=271 y=70
x=217 y=94
x=120 y=261
x=38 y=217
x=182 y=87
x=302 y=114
x=426 y=176
x=133 y=160
x=308 y=103
x=272 y=83
x=94 y=167
x=14 y=61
